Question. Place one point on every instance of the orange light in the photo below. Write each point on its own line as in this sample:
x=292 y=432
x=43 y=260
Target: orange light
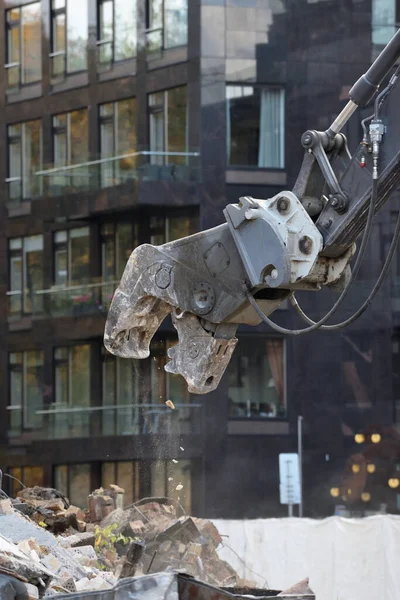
x=394 y=482
x=365 y=496
x=371 y=468
x=376 y=438
x=349 y=492
x=355 y=468
x=335 y=492
x=359 y=438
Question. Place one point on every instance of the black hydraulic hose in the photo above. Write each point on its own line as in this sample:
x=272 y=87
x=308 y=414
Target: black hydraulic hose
x=318 y=324
x=368 y=301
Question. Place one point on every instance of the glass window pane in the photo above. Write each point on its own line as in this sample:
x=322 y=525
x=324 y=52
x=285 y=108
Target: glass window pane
x=125 y=29
x=107 y=150
x=79 y=484
x=155 y=13
x=32 y=157
x=15 y=244
x=13 y=15
x=255 y=126
x=15 y=485
x=125 y=479
x=61 y=479
x=33 y=248
x=15 y=300
x=59 y=33
x=14 y=151
x=13 y=56
x=80 y=375
x=175 y=19
x=61 y=267
x=126 y=127
x=60 y=149
x=108 y=259
x=31 y=43
x=79 y=138
x=126 y=137
x=33 y=476
x=61 y=384
x=177 y=123
x=107 y=474
x=243 y=125
x=33 y=400
x=15 y=389
x=77 y=35
x=256 y=380
x=106 y=20
x=79 y=255
x=124 y=247
x=59 y=38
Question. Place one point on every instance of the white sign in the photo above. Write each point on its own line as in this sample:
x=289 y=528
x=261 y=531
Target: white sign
x=289 y=479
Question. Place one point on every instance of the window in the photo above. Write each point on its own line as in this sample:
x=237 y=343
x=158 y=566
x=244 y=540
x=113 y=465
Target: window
x=168 y=228
x=118 y=138
x=256 y=382
x=383 y=21
x=25 y=391
x=120 y=394
x=167 y=476
x=24 y=159
x=166 y=24
x=23 y=45
x=28 y=476
x=72 y=389
x=25 y=256
x=71 y=256
x=70 y=147
x=118 y=240
x=255 y=126
x=124 y=474
x=74 y=482
x=116 y=30
x=69 y=36
x=168 y=126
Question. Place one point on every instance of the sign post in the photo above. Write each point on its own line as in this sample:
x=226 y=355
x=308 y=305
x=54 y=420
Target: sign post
x=289 y=480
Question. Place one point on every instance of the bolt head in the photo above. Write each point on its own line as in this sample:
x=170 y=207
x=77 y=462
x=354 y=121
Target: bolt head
x=283 y=205
x=305 y=244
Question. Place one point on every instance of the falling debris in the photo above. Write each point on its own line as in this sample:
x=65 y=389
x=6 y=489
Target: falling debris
x=170 y=478
x=175 y=461
x=180 y=447
x=170 y=404
x=179 y=487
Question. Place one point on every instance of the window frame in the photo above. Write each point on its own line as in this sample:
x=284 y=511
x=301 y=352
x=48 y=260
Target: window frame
x=112 y=41
x=66 y=245
x=20 y=140
x=17 y=24
x=55 y=12
x=57 y=362
x=21 y=253
x=268 y=419
x=150 y=29
x=22 y=367
x=154 y=109
x=260 y=86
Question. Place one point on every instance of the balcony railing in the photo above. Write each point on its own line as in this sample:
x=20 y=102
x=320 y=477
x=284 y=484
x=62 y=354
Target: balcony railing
x=106 y=172
x=75 y=301
x=64 y=422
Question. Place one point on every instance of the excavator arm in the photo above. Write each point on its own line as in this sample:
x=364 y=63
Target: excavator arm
x=268 y=249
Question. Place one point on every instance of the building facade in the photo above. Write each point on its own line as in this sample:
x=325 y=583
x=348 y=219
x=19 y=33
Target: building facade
x=133 y=121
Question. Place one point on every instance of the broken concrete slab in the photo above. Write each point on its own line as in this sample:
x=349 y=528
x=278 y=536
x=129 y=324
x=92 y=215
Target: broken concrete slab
x=86 y=538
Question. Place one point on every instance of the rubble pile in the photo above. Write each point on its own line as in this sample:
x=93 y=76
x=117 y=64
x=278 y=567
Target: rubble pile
x=55 y=548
